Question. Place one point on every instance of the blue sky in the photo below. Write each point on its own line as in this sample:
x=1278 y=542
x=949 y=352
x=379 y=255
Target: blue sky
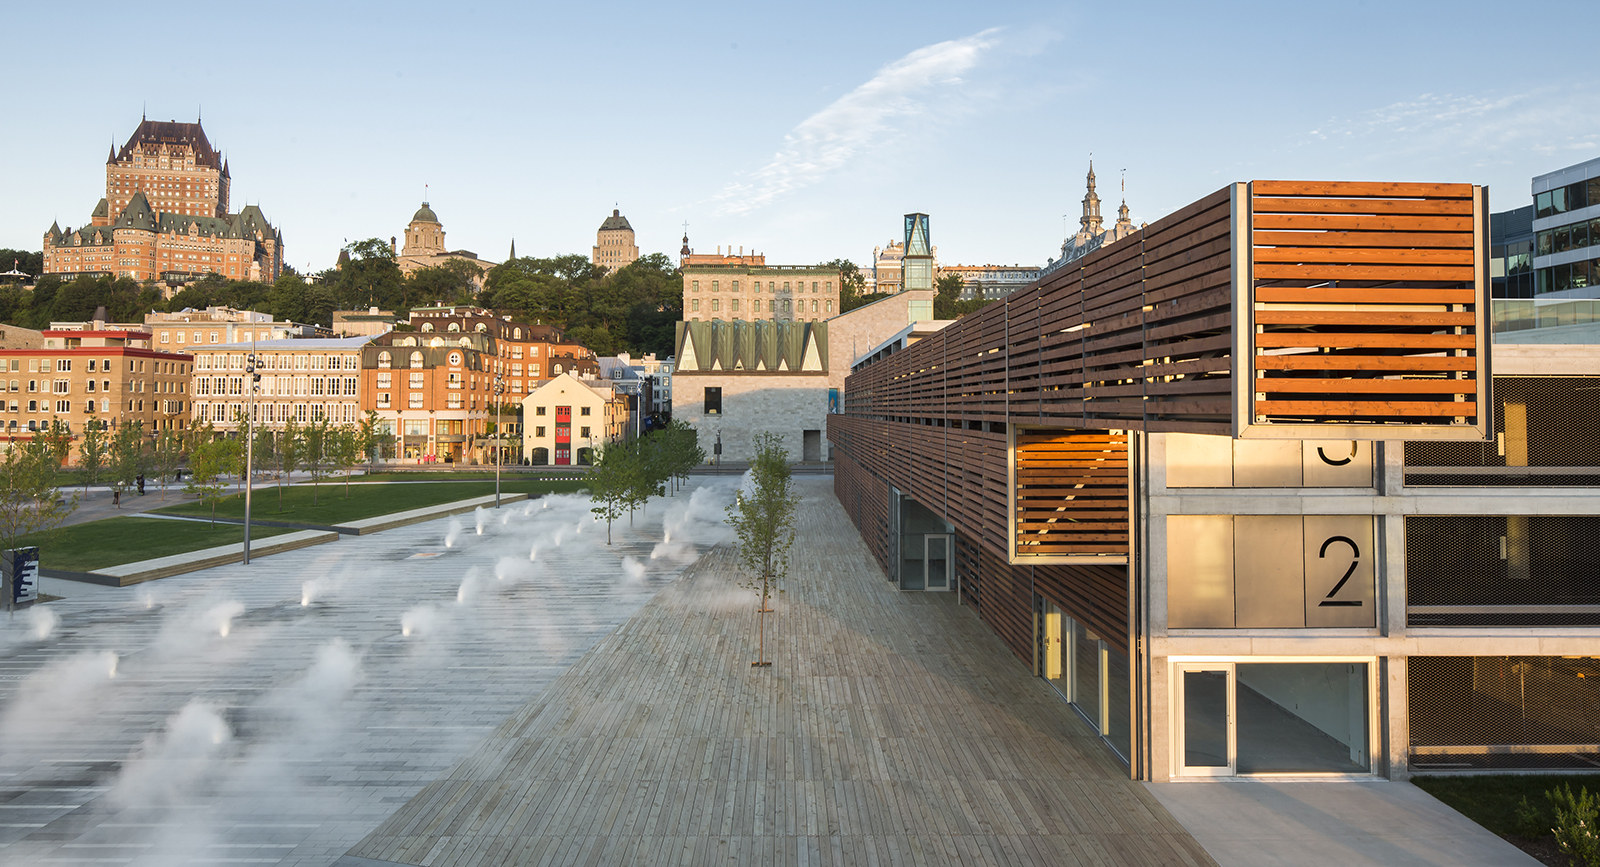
x=803 y=131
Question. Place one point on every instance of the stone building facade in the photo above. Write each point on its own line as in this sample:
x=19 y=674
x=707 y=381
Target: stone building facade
x=734 y=379
x=165 y=217
x=745 y=288
x=614 y=245
x=424 y=247
x=304 y=380
x=184 y=330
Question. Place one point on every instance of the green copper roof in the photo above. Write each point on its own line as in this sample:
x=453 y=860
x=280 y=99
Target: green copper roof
x=425 y=214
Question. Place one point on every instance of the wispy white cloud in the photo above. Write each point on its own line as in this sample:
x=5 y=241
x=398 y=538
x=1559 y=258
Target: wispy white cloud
x=1545 y=120
x=860 y=121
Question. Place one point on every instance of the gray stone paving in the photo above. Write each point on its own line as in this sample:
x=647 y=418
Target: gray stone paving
x=277 y=713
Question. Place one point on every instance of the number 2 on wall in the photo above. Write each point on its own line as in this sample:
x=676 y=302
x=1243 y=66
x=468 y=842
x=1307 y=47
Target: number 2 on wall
x=1355 y=560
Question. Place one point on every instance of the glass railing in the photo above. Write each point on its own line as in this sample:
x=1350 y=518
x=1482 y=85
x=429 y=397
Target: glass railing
x=1523 y=320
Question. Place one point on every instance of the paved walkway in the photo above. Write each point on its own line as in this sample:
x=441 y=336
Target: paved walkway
x=1332 y=824
x=277 y=713
x=892 y=728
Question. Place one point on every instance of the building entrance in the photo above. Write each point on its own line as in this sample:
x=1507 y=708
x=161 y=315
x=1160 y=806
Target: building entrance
x=1299 y=717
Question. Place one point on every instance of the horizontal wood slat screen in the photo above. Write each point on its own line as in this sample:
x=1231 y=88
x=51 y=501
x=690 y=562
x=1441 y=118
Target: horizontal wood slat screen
x=1366 y=303
x=1356 y=283
x=1071 y=493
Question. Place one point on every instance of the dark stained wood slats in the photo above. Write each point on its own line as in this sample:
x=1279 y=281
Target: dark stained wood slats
x=1071 y=493
x=1367 y=307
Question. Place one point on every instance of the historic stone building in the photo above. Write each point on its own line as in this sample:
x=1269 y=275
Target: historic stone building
x=1092 y=233
x=165 y=217
x=424 y=247
x=614 y=246
x=744 y=287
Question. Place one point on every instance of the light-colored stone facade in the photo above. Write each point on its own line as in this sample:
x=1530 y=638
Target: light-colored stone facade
x=614 y=244
x=793 y=402
x=424 y=247
x=306 y=380
x=745 y=288
x=186 y=330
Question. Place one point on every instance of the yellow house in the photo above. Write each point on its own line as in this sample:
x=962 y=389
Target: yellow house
x=567 y=417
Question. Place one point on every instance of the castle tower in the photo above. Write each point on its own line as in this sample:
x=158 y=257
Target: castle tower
x=425 y=234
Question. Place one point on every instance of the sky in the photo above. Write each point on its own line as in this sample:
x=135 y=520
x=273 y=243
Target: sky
x=802 y=131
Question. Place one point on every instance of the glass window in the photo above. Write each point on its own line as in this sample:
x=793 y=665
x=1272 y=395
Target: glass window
x=1546 y=242
x=1558 y=201
x=1580 y=234
x=1562 y=239
x=1577 y=195
x=1542 y=206
x=1302 y=717
x=713 y=401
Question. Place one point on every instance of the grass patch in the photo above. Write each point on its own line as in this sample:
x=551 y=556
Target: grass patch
x=466 y=475
x=365 y=501
x=114 y=541
x=1493 y=800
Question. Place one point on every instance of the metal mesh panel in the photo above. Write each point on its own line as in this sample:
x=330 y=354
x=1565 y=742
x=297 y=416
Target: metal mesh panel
x=1546 y=432
x=1504 y=712
x=1500 y=571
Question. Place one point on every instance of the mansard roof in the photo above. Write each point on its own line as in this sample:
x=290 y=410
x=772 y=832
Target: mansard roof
x=173 y=133
x=210 y=227
x=138 y=214
x=615 y=221
x=101 y=210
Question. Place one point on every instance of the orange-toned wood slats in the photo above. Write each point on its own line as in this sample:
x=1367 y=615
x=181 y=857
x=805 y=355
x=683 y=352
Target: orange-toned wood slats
x=1071 y=493
x=1373 y=280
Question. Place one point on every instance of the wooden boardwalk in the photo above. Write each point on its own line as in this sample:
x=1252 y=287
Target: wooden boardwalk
x=892 y=728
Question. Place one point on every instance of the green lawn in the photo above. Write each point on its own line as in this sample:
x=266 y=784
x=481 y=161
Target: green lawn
x=365 y=501
x=466 y=475
x=114 y=541
x=1492 y=800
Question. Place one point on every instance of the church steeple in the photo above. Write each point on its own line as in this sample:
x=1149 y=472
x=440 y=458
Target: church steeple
x=1091 y=221
x=513 y=250
x=683 y=252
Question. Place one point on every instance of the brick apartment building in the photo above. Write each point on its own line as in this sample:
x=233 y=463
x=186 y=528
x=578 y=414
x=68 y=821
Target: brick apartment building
x=91 y=376
x=433 y=392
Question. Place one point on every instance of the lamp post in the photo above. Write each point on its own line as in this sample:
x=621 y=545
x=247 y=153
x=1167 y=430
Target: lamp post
x=499 y=389
x=251 y=382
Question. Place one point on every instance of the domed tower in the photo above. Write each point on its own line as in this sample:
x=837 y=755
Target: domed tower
x=425 y=235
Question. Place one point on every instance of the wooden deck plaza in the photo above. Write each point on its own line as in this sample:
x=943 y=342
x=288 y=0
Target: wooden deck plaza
x=892 y=728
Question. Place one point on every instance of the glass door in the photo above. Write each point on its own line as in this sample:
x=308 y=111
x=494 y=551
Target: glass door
x=1206 y=731
x=937 y=561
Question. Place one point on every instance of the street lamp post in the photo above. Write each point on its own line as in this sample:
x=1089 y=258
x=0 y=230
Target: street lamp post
x=251 y=380
x=499 y=389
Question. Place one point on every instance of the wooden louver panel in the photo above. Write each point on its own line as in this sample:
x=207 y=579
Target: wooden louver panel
x=1071 y=493
x=1367 y=303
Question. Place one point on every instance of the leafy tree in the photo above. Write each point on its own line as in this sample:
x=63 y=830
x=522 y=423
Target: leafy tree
x=683 y=449
x=610 y=481
x=206 y=466
x=851 y=284
x=30 y=502
x=318 y=452
x=346 y=451
x=167 y=457
x=57 y=440
x=92 y=453
x=371 y=439
x=291 y=453
x=762 y=515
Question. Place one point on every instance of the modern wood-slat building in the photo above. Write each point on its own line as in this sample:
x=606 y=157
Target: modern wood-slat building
x=1172 y=476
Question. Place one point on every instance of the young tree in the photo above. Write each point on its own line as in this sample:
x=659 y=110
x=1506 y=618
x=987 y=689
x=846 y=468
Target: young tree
x=317 y=451
x=685 y=450
x=370 y=439
x=609 y=485
x=167 y=457
x=30 y=502
x=763 y=518
x=346 y=442
x=206 y=465
x=650 y=472
x=291 y=451
x=57 y=440
x=92 y=453
x=125 y=460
